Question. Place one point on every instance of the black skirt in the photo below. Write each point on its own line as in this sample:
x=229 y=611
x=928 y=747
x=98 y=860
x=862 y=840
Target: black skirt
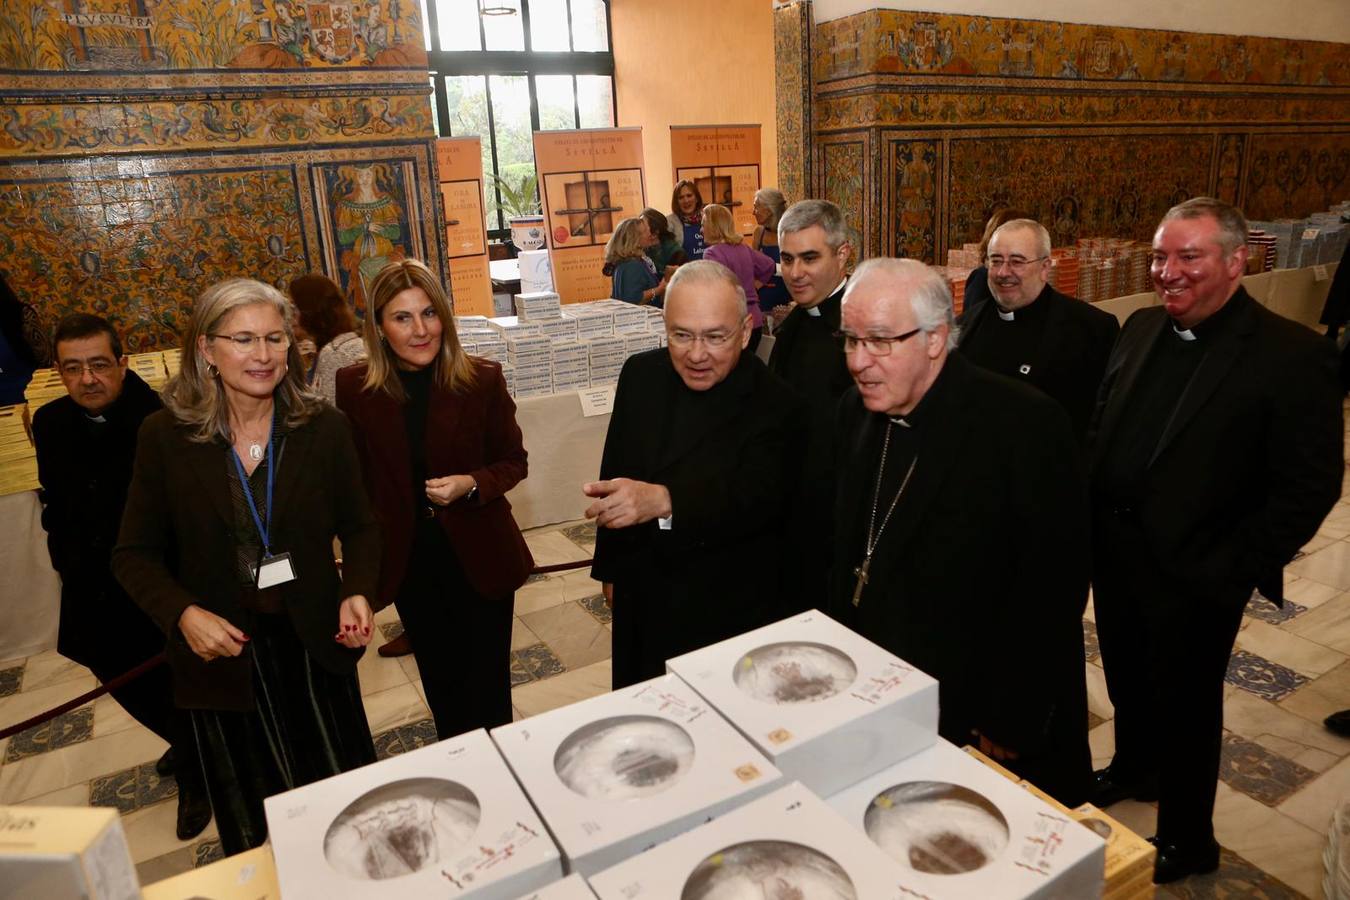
x=308 y=724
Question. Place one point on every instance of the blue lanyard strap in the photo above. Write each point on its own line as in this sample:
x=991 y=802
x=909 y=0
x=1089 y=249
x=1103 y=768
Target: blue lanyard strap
x=248 y=491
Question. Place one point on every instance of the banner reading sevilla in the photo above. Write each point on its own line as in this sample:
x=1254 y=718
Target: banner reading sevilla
x=723 y=162
x=460 y=160
x=590 y=180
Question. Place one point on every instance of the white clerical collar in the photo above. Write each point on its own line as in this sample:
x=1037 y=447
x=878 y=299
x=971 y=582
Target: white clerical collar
x=1184 y=333
x=901 y=421
x=98 y=418
x=813 y=311
x=1008 y=315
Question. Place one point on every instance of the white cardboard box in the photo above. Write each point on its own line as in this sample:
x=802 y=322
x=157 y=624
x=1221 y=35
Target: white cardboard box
x=959 y=829
x=65 y=853
x=537 y=306
x=560 y=329
x=251 y=875
x=826 y=705
x=447 y=820
x=573 y=887
x=536 y=273
x=621 y=772
x=787 y=844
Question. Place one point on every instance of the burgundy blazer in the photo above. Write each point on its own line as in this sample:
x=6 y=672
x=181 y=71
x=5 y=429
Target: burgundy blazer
x=471 y=433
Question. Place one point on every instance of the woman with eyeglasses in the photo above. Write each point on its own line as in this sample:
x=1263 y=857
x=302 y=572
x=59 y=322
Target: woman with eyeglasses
x=439 y=446
x=239 y=488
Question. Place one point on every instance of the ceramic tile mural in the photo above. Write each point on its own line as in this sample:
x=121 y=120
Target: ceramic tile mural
x=792 y=97
x=149 y=149
x=1096 y=129
x=844 y=168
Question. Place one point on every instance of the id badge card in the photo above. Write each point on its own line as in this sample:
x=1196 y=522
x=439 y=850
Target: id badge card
x=274 y=570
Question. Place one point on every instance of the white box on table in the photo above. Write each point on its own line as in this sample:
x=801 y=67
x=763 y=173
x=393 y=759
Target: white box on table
x=826 y=705
x=251 y=875
x=788 y=843
x=65 y=853
x=569 y=352
x=621 y=772
x=559 y=330
x=638 y=343
x=959 y=829
x=537 y=306
x=513 y=326
x=573 y=887
x=536 y=272
x=600 y=347
x=447 y=820
x=472 y=323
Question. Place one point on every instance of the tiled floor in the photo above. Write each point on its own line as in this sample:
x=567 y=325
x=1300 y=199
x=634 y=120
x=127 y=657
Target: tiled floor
x=1282 y=771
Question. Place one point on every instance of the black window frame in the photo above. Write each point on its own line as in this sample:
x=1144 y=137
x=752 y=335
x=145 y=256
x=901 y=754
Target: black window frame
x=528 y=63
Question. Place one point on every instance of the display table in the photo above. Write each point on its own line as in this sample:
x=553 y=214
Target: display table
x=33 y=590
x=564 y=449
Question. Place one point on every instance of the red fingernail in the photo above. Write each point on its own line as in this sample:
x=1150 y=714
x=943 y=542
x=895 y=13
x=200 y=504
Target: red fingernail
x=244 y=638
x=338 y=638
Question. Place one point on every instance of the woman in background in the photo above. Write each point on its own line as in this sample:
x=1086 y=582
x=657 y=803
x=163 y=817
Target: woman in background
x=752 y=268
x=770 y=204
x=25 y=345
x=634 y=278
x=328 y=321
x=439 y=445
x=685 y=219
x=665 y=252
x=240 y=486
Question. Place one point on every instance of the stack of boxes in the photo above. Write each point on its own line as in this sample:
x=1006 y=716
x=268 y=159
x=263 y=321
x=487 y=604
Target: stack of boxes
x=531 y=358
x=18 y=459
x=606 y=355
x=571 y=365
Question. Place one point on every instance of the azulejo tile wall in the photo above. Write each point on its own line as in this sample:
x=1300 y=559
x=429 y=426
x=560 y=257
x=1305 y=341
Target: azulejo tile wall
x=149 y=149
x=1094 y=129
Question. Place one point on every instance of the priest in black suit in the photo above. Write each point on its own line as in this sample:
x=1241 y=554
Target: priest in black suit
x=813 y=241
x=1031 y=332
x=1216 y=453
x=698 y=477
x=961 y=529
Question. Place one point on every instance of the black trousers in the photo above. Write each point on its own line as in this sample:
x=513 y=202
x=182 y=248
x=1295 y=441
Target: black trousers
x=308 y=724
x=461 y=639
x=1165 y=649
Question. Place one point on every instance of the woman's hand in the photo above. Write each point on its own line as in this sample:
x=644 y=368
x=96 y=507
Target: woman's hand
x=447 y=489
x=209 y=635
x=354 y=622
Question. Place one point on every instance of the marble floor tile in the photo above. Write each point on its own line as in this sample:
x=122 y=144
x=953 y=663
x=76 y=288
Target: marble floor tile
x=11 y=680
x=1270 y=840
x=1098 y=700
x=581 y=534
x=49 y=668
x=26 y=704
x=1321 y=697
x=1308 y=593
x=569 y=687
x=1262 y=677
x=110 y=717
x=534 y=663
x=1261 y=608
x=1257 y=772
x=75 y=795
x=1102 y=741
x=393 y=707
x=1317 y=543
x=521 y=635
x=132 y=789
x=151 y=831
x=387 y=615
x=555 y=589
x=205 y=852
x=389 y=631
x=1235 y=877
x=595 y=605
x=65 y=730
x=1330 y=565
x=409 y=666
x=1328 y=625
x=74 y=765
x=1092 y=651
x=1278 y=645
x=549 y=548
x=1141 y=818
x=573 y=634
x=377 y=673
x=1313 y=804
x=1276 y=728
x=161 y=867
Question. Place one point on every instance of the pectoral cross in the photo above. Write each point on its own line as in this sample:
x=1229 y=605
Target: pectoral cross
x=861 y=572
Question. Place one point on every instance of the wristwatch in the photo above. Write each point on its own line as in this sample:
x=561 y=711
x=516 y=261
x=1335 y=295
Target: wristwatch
x=473 y=491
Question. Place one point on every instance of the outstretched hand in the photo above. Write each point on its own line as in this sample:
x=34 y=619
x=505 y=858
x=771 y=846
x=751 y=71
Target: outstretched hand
x=623 y=502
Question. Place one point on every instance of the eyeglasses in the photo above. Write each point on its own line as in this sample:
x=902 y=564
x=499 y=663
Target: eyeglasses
x=876 y=345
x=243 y=342
x=98 y=367
x=712 y=341
x=1016 y=263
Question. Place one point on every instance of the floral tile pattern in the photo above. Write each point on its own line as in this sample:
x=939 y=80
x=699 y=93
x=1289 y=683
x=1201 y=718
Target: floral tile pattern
x=1092 y=651
x=535 y=661
x=595 y=605
x=1262 y=677
x=69 y=728
x=11 y=680
x=1094 y=720
x=580 y=534
x=404 y=738
x=1234 y=878
x=1258 y=607
x=1259 y=773
x=132 y=789
x=207 y=852
x=392 y=630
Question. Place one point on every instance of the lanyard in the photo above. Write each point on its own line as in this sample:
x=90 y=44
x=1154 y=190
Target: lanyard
x=248 y=491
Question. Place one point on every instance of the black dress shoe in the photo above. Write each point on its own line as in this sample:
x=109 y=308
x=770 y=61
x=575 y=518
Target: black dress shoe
x=1105 y=789
x=164 y=765
x=1176 y=861
x=1338 y=723
x=194 y=812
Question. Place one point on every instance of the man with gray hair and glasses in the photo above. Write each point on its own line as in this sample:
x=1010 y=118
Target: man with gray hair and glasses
x=1030 y=331
x=1216 y=453
x=696 y=483
x=961 y=528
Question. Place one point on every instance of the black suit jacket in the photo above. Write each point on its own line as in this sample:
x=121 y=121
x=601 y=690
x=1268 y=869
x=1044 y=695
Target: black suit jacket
x=981 y=577
x=732 y=478
x=177 y=547
x=1071 y=357
x=1251 y=460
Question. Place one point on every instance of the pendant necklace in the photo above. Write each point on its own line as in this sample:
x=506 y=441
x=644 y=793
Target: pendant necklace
x=255 y=451
x=874 y=533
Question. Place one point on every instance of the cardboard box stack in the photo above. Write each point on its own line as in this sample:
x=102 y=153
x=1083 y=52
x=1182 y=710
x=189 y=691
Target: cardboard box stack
x=606 y=356
x=63 y=853
x=592 y=320
x=571 y=366
x=45 y=386
x=251 y=875
x=538 y=306
x=150 y=366
x=18 y=458
x=531 y=356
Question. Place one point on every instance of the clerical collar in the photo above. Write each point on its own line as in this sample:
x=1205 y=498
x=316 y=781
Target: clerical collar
x=1214 y=323
x=1184 y=333
x=1008 y=316
x=813 y=311
x=100 y=418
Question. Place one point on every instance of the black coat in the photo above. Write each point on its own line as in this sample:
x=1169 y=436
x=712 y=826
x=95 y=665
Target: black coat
x=980 y=579
x=177 y=546
x=1251 y=460
x=732 y=478
x=84 y=470
x=1069 y=361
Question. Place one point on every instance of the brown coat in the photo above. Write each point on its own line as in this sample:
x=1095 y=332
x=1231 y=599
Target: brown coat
x=176 y=546
x=471 y=433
